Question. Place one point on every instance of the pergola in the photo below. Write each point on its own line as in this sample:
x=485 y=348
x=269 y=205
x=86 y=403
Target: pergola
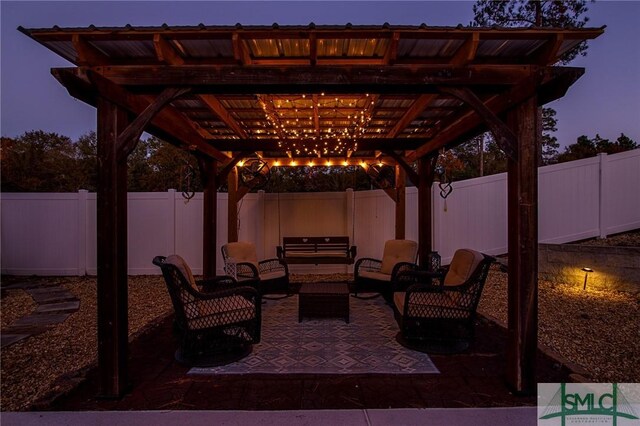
x=298 y=95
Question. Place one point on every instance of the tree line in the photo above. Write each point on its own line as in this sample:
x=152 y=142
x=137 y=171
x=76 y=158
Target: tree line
x=39 y=161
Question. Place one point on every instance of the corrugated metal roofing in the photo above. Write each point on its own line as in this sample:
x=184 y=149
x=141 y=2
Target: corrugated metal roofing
x=286 y=46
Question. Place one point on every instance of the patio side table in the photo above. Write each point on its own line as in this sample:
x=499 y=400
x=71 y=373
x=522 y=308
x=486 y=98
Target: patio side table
x=324 y=300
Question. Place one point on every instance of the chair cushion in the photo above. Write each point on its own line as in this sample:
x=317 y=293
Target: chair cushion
x=223 y=311
x=375 y=275
x=183 y=267
x=243 y=252
x=396 y=251
x=463 y=265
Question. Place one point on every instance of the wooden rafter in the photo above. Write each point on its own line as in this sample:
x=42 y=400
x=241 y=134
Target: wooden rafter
x=270 y=108
x=316 y=115
x=240 y=53
x=549 y=51
x=391 y=54
x=313 y=49
x=167 y=54
x=86 y=53
x=412 y=113
x=466 y=53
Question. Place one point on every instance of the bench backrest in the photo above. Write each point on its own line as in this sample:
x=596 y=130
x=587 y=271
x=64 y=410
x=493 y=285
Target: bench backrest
x=315 y=244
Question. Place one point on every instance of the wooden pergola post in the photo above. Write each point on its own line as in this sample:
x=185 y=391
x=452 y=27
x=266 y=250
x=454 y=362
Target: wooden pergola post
x=400 y=203
x=426 y=169
x=112 y=251
x=523 y=249
x=232 y=211
x=209 y=234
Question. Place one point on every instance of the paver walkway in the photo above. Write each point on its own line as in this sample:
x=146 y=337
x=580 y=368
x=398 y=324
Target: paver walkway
x=55 y=305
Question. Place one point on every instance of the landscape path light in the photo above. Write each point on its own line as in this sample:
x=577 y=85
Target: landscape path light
x=586 y=275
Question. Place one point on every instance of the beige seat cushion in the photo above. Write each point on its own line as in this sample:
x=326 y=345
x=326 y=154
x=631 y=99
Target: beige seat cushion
x=243 y=252
x=463 y=264
x=183 y=267
x=375 y=275
x=217 y=312
x=396 y=251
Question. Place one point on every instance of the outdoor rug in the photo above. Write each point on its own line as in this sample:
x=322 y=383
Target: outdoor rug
x=366 y=345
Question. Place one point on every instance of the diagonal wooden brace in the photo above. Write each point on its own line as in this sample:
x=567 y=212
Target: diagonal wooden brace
x=224 y=173
x=505 y=138
x=373 y=174
x=411 y=174
x=128 y=139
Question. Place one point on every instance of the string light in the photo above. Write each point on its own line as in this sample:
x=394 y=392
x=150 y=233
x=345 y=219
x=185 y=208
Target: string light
x=338 y=138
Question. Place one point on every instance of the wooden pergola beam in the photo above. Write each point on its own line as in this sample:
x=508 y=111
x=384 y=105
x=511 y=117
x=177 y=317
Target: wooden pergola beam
x=364 y=144
x=209 y=168
x=426 y=172
x=111 y=223
x=522 y=206
x=400 y=203
x=306 y=79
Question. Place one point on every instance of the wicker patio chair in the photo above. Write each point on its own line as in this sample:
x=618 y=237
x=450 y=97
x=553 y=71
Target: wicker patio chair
x=377 y=275
x=241 y=261
x=437 y=311
x=216 y=321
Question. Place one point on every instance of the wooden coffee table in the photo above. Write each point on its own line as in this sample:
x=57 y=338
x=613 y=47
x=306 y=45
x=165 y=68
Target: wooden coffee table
x=324 y=300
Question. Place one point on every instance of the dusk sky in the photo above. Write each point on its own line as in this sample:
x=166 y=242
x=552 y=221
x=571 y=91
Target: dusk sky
x=606 y=100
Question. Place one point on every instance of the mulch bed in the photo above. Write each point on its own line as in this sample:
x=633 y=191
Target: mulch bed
x=597 y=330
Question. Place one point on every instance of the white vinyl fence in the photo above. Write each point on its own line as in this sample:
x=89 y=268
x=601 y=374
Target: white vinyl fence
x=55 y=234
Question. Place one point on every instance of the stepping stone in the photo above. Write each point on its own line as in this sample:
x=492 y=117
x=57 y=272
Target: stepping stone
x=70 y=306
x=10 y=339
x=42 y=319
x=51 y=297
x=31 y=330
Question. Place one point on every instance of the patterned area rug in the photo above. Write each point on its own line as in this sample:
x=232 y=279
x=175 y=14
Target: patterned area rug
x=366 y=345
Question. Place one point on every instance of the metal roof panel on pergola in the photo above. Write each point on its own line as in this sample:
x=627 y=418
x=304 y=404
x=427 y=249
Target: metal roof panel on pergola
x=296 y=93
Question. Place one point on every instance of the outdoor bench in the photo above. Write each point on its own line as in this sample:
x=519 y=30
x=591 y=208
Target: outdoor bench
x=316 y=250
